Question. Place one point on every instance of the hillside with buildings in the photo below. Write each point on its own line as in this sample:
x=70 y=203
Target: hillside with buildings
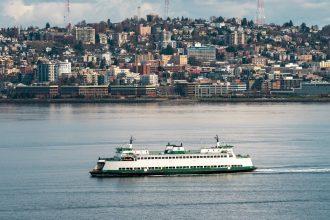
x=156 y=58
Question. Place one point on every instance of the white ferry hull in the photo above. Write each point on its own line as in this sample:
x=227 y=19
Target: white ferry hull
x=173 y=167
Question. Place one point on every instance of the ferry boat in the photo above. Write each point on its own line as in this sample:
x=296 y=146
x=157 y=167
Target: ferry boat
x=175 y=160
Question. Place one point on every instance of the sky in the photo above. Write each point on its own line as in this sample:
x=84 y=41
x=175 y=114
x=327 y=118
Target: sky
x=38 y=12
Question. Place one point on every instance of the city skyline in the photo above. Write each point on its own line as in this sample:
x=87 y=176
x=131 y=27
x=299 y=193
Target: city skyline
x=38 y=12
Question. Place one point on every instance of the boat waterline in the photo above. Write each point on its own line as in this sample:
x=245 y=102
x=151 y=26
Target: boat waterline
x=167 y=172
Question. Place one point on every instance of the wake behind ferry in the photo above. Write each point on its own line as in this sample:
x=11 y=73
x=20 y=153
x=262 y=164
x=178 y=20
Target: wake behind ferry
x=173 y=161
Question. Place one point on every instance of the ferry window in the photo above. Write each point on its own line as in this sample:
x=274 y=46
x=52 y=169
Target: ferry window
x=194 y=156
x=149 y=158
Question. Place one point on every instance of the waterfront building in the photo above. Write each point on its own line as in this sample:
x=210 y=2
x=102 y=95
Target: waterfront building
x=219 y=89
x=133 y=91
x=150 y=79
x=23 y=91
x=84 y=91
x=313 y=89
x=288 y=83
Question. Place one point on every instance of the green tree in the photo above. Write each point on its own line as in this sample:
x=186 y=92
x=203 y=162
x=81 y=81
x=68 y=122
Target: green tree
x=79 y=47
x=244 y=22
x=167 y=51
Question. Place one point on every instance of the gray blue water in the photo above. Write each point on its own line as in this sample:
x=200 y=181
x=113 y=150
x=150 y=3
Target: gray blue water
x=46 y=152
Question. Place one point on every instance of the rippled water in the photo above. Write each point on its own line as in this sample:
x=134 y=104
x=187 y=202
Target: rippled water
x=46 y=152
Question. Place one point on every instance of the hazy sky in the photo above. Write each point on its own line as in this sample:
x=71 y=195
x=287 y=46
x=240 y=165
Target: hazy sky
x=38 y=12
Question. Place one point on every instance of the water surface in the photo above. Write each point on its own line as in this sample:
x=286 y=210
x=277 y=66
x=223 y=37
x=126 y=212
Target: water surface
x=46 y=152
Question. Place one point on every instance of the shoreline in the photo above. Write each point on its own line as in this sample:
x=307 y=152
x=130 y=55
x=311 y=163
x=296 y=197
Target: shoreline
x=167 y=100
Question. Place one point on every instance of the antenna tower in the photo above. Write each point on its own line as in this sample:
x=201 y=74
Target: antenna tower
x=261 y=17
x=167 y=8
x=139 y=12
x=67 y=15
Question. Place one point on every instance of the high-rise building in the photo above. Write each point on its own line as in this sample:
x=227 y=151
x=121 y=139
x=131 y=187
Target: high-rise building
x=85 y=34
x=62 y=68
x=46 y=71
x=120 y=38
x=237 y=38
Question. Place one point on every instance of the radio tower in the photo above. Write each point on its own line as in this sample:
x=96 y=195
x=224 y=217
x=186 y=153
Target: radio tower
x=67 y=15
x=167 y=8
x=261 y=18
x=139 y=10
